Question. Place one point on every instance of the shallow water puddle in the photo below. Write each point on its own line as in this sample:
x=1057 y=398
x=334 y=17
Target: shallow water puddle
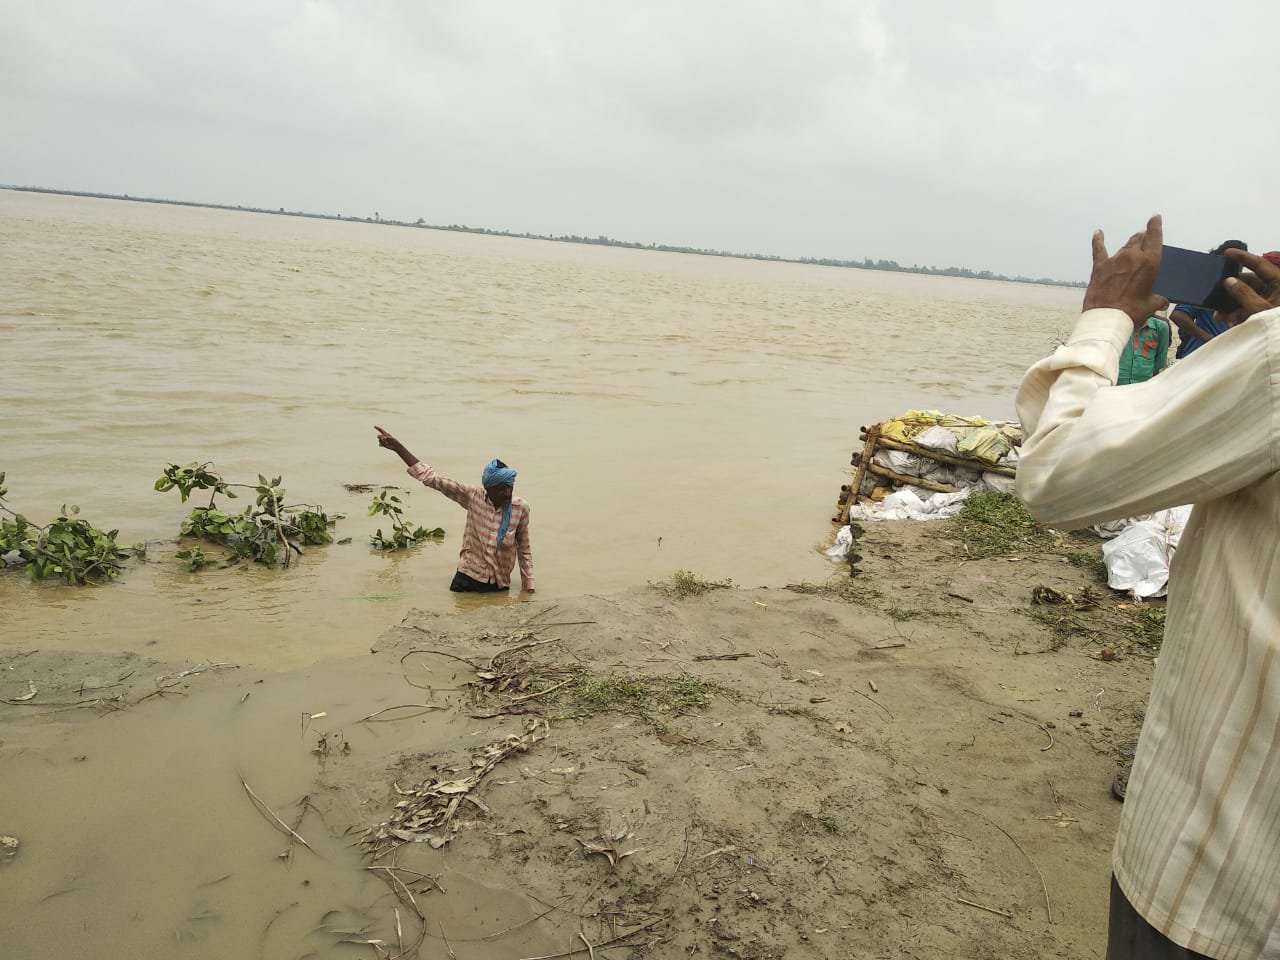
x=139 y=838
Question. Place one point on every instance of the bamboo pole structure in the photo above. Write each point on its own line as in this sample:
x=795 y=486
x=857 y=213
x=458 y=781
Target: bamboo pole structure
x=872 y=434
x=902 y=478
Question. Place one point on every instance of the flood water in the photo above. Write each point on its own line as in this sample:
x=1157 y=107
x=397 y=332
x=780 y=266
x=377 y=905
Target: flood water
x=664 y=411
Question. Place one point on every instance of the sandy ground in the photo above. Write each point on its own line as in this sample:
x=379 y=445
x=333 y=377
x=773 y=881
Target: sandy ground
x=906 y=765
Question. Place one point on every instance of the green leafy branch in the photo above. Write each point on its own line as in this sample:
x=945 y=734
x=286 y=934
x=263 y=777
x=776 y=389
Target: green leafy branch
x=403 y=533
x=269 y=531
x=68 y=547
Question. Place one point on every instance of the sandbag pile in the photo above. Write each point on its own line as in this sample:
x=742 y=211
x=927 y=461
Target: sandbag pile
x=923 y=464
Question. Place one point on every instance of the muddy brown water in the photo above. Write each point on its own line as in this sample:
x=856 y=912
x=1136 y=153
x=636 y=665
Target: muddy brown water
x=139 y=839
x=664 y=411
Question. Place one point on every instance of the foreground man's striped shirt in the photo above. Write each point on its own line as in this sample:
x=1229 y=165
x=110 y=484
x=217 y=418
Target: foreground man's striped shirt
x=482 y=557
x=1198 y=852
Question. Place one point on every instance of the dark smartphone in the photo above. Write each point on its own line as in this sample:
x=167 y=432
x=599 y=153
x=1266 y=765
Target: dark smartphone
x=1195 y=279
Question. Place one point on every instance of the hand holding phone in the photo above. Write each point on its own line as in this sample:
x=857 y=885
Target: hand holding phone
x=1195 y=279
x=1257 y=291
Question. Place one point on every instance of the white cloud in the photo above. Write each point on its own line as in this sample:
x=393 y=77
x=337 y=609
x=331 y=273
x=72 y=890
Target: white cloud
x=991 y=134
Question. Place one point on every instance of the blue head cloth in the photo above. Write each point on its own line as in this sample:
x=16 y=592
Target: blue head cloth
x=496 y=474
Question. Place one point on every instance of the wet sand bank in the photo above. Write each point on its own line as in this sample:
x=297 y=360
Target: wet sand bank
x=832 y=773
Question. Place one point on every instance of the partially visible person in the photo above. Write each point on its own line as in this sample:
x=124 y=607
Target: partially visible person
x=1198 y=325
x=1196 y=865
x=497 y=531
x=1146 y=353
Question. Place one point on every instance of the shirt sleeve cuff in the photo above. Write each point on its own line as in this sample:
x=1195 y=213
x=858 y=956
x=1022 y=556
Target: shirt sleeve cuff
x=1096 y=342
x=419 y=471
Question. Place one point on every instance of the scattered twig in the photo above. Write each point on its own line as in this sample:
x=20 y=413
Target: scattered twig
x=622 y=936
x=961 y=596
x=493 y=661
x=197 y=669
x=103 y=701
x=562 y=623
x=106 y=686
x=262 y=805
x=442 y=653
x=1044 y=886
x=970 y=903
x=524 y=923
x=542 y=613
x=262 y=950
x=591 y=951
x=543 y=693
x=1034 y=723
x=158 y=692
x=723 y=656
x=876 y=702
x=424 y=707
x=29 y=695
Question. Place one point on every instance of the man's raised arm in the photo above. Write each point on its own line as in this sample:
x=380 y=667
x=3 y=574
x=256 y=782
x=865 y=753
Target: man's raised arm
x=1196 y=432
x=459 y=493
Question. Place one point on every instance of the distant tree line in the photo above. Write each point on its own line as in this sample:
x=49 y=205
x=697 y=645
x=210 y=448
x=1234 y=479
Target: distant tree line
x=864 y=264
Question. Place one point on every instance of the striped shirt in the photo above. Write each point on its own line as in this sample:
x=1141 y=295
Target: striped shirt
x=1198 y=850
x=482 y=557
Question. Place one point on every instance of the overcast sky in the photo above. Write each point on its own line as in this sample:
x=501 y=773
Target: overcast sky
x=991 y=133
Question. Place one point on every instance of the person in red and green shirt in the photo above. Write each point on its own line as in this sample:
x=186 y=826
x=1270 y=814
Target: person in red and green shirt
x=1146 y=353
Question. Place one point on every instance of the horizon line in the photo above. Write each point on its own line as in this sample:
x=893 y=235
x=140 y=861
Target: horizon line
x=887 y=266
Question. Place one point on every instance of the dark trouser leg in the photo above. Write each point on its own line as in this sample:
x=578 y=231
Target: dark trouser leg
x=464 y=584
x=1130 y=937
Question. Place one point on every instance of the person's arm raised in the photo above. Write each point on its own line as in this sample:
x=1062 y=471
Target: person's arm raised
x=459 y=493
x=1196 y=432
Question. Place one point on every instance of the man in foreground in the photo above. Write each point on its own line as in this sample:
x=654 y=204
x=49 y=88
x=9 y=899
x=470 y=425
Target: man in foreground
x=1197 y=856
x=497 y=530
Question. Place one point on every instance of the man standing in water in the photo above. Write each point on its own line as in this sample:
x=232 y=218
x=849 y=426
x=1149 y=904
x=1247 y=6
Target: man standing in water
x=1196 y=866
x=497 y=529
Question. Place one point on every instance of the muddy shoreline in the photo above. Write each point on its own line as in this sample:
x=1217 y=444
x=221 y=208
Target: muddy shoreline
x=915 y=763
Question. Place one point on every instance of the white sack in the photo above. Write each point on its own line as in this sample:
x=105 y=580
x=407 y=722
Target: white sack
x=937 y=438
x=1138 y=558
x=844 y=543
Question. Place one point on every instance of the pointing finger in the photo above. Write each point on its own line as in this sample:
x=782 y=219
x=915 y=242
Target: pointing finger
x=1099 y=248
